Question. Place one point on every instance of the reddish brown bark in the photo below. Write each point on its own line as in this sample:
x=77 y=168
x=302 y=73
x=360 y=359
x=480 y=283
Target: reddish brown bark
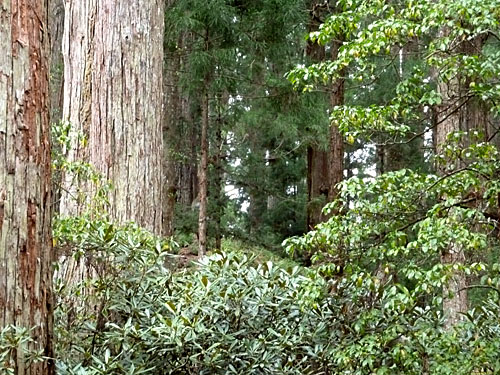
x=325 y=168
x=317 y=184
x=25 y=196
x=56 y=25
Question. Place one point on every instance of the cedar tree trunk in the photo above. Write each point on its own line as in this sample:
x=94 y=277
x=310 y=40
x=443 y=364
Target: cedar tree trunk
x=456 y=113
x=25 y=196
x=113 y=97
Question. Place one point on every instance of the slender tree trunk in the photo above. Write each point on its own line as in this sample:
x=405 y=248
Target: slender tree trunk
x=218 y=180
x=397 y=156
x=112 y=91
x=203 y=174
x=187 y=170
x=56 y=27
x=25 y=196
x=257 y=197
x=170 y=139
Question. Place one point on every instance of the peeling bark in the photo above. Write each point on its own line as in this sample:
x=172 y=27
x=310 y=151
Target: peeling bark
x=25 y=196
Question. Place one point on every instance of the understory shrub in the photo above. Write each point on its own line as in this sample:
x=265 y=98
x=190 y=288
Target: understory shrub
x=136 y=313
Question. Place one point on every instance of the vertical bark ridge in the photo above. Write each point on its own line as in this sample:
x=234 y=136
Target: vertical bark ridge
x=25 y=196
x=117 y=62
x=325 y=168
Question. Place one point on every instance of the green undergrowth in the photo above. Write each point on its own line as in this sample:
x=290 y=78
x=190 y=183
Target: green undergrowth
x=260 y=253
x=239 y=312
x=185 y=245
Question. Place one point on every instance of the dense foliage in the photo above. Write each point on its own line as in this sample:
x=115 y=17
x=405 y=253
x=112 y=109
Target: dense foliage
x=373 y=300
x=230 y=314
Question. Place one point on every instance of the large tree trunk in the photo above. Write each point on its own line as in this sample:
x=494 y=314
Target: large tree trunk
x=456 y=113
x=325 y=168
x=25 y=197
x=317 y=159
x=113 y=95
x=317 y=185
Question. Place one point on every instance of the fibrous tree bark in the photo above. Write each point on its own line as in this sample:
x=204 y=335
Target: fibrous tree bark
x=458 y=112
x=317 y=159
x=325 y=167
x=112 y=97
x=336 y=141
x=25 y=196
x=448 y=120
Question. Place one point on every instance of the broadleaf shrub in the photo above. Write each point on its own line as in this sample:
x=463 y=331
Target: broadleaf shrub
x=231 y=314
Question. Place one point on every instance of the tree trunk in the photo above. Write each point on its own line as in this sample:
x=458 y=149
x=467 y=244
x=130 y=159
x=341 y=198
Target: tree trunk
x=456 y=113
x=395 y=156
x=203 y=175
x=56 y=26
x=187 y=170
x=170 y=139
x=218 y=178
x=336 y=144
x=325 y=168
x=256 y=191
x=112 y=91
x=317 y=185
x=25 y=196
x=317 y=159
x=448 y=120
